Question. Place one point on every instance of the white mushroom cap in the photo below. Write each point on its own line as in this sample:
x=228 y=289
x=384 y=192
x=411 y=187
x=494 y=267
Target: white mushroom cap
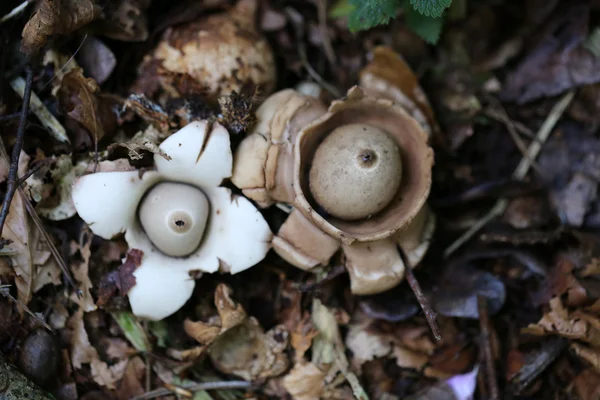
x=235 y=238
x=355 y=172
x=174 y=216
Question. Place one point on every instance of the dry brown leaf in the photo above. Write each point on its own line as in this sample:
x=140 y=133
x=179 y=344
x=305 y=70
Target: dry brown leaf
x=364 y=344
x=587 y=385
x=131 y=384
x=574 y=325
x=56 y=17
x=188 y=354
x=18 y=230
x=82 y=352
x=143 y=141
x=231 y=314
x=248 y=352
x=80 y=270
x=589 y=354
x=305 y=382
x=407 y=358
x=121 y=279
x=77 y=98
x=58 y=317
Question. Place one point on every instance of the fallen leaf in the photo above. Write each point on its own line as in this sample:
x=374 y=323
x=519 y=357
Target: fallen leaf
x=131 y=384
x=248 y=352
x=17 y=229
x=570 y=325
x=125 y=21
x=57 y=204
x=58 y=317
x=238 y=112
x=459 y=288
x=148 y=111
x=56 y=17
x=80 y=270
x=77 y=98
x=559 y=62
x=592 y=356
x=121 y=279
x=305 y=382
x=231 y=314
x=366 y=345
x=587 y=385
x=82 y=352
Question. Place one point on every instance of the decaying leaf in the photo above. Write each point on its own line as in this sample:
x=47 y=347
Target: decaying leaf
x=121 y=279
x=589 y=354
x=365 y=344
x=80 y=270
x=56 y=17
x=237 y=111
x=54 y=200
x=144 y=141
x=125 y=20
x=78 y=99
x=82 y=352
x=305 y=382
x=18 y=229
x=571 y=325
x=131 y=384
x=236 y=343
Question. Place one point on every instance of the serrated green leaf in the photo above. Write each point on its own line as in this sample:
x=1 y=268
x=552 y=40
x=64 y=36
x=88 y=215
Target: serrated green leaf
x=431 y=8
x=370 y=13
x=426 y=27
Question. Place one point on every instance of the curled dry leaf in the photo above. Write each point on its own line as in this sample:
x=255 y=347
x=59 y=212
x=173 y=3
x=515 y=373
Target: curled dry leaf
x=56 y=17
x=148 y=111
x=571 y=325
x=131 y=386
x=82 y=352
x=305 y=382
x=121 y=279
x=236 y=343
x=78 y=99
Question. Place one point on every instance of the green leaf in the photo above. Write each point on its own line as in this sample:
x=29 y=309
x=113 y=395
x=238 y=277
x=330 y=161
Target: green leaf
x=342 y=8
x=431 y=8
x=133 y=330
x=426 y=27
x=370 y=13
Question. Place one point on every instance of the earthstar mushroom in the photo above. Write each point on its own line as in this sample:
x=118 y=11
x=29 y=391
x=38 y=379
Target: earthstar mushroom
x=360 y=179
x=178 y=216
x=222 y=52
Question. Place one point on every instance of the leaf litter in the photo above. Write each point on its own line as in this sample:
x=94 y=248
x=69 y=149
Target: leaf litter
x=492 y=92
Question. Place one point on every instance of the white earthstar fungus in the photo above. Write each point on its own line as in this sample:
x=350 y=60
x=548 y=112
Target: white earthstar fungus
x=178 y=216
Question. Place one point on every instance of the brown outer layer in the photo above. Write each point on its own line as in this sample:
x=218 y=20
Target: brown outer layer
x=389 y=76
x=417 y=159
x=263 y=163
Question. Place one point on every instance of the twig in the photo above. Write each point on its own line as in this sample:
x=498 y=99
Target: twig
x=296 y=19
x=55 y=253
x=519 y=173
x=322 y=10
x=196 y=387
x=36 y=167
x=16 y=153
x=430 y=315
x=15 y=11
x=8 y=117
x=486 y=347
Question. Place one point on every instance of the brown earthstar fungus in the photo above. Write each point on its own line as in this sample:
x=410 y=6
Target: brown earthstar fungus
x=358 y=174
x=217 y=54
x=178 y=216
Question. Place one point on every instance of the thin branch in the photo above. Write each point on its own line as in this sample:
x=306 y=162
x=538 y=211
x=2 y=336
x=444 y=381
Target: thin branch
x=8 y=117
x=196 y=387
x=486 y=347
x=430 y=315
x=519 y=173
x=16 y=153
x=35 y=168
x=4 y=291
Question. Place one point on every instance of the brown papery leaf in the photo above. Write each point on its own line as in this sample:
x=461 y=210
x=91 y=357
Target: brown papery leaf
x=80 y=271
x=77 y=98
x=56 y=17
x=17 y=229
x=121 y=279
